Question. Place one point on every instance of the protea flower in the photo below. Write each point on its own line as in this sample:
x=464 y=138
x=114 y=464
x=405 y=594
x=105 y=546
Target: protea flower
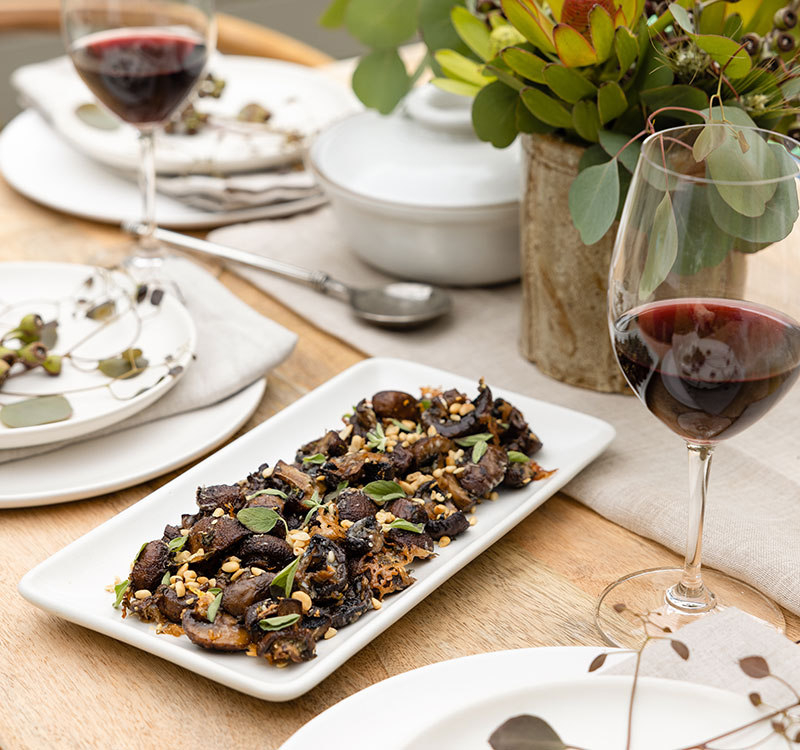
x=580 y=32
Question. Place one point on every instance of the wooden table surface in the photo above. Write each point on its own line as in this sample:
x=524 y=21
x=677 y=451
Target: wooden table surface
x=62 y=686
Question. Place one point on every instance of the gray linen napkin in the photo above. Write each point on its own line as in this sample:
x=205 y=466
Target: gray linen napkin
x=716 y=644
x=235 y=347
x=753 y=522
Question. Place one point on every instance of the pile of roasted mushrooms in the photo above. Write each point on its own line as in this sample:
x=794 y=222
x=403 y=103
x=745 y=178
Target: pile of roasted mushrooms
x=285 y=557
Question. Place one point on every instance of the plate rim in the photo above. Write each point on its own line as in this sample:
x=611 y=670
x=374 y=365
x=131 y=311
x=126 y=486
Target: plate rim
x=289 y=689
x=88 y=425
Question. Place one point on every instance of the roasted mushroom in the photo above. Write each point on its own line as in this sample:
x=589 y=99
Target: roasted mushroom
x=408 y=509
x=150 y=566
x=354 y=505
x=225 y=496
x=322 y=572
x=215 y=535
x=450 y=526
x=224 y=634
x=244 y=591
x=411 y=544
x=481 y=478
x=395 y=405
x=266 y=551
x=293 y=644
x=263 y=610
x=363 y=538
x=171 y=605
x=330 y=444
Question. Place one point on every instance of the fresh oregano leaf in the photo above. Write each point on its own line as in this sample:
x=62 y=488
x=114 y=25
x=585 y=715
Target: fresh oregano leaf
x=478 y=450
x=526 y=732
x=278 y=623
x=260 y=520
x=213 y=608
x=317 y=459
x=165 y=579
x=139 y=552
x=285 y=578
x=120 y=590
x=403 y=525
x=662 y=248
x=400 y=426
x=470 y=440
x=176 y=544
x=593 y=200
x=268 y=491
x=376 y=439
x=383 y=490
x=129 y=364
x=35 y=411
x=425 y=404
x=517 y=457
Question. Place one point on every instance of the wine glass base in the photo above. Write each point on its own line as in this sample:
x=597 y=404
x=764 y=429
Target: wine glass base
x=646 y=593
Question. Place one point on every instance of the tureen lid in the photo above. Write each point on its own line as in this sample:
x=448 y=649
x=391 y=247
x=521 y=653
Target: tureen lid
x=424 y=154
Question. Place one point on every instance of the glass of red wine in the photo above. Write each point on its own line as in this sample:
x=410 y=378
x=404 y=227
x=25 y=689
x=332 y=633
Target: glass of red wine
x=703 y=314
x=141 y=60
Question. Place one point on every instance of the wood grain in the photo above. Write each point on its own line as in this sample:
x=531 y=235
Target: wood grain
x=66 y=687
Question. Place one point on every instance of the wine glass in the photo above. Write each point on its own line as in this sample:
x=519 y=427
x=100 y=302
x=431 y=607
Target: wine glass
x=141 y=60
x=703 y=314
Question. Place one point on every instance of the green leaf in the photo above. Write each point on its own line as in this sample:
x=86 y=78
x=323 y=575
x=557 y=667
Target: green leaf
x=376 y=439
x=400 y=426
x=789 y=90
x=593 y=200
x=437 y=28
x=403 y=525
x=456 y=87
x=527 y=123
x=546 y=109
x=731 y=114
x=425 y=404
x=176 y=544
x=525 y=63
x=213 y=608
x=383 y=490
x=567 y=83
x=523 y=20
x=733 y=27
x=165 y=578
x=679 y=95
x=472 y=31
x=601 y=27
x=626 y=48
x=333 y=16
x=129 y=364
x=652 y=72
x=662 y=249
x=479 y=450
x=284 y=580
x=380 y=81
x=734 y=60
x=593 y=155
x=613 y=142
x=470 y=440
x=749 y=161
x=494 y=114
x=681 y=16
x=710 y=138
x=383 y=25
x=712 y=19
x=139 y=552
x=35 y=411
x=572 y=47
x=278 y=623
x=318 y=459
x=492 y=73
x=459 y=67
x=120 y=590
x=701 y=244
x=260 y=520
x=268 y=491
x=586 y=120
x=611 y=101
x=518 y=458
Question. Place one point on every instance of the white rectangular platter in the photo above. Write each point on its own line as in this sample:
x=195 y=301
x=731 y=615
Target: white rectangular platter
x=71 y=583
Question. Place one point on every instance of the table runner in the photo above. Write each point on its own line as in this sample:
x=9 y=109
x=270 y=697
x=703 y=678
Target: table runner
x=753 y=517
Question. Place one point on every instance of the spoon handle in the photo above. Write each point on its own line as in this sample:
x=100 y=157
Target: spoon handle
x=319 y=280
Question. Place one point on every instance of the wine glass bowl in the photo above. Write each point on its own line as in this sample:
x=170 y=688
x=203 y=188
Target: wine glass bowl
x=703 y=315
x=142 y=61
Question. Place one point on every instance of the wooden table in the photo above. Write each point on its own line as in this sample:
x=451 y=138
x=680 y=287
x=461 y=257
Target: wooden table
x=62 y=686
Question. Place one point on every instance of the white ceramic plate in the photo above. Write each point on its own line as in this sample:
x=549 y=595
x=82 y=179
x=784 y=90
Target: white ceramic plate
x=127 y=457
x=64 y=585
x=301 y=99
x=36 y=162
x=159 y=331
x=586 y=710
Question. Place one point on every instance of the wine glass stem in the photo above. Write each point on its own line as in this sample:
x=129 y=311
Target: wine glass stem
x=147 y=246
x=690 y=594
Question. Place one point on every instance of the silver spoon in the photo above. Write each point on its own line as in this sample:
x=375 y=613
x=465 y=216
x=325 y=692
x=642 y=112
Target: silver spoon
x=398 y=305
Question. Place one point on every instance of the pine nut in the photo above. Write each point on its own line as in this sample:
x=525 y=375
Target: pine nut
x=231 y=566
x=376 y=603
x=202 y=579
x=237 y=574
x=183 y=569
x=346 y=432
x=189 y=575
x=267 y=473
x=218 y=512
x=180 y=589
x=304 y=599
x=454 y=408
x=257 y=572
x=473 y=520
x=437 y=473
x=142 y=594
x=494 y=496
x=466 y=409
x=329 y=633
x=281 y=664
x=444 y=541
x=438 y=509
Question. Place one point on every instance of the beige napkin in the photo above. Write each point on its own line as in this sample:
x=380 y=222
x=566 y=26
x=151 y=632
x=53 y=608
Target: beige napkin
x=753 y=522
x=235 y=347
x=716 y=644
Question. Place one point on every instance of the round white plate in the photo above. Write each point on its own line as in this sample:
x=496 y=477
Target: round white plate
x=302 y=101
x=125 y=458
x=36 y=162
x=165 y=333
x=458 y=704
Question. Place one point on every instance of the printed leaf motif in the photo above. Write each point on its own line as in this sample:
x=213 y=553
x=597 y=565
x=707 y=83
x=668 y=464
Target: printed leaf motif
x=662 y=248
x=129 y=364
x=494 y=114
x=593 y=200
x=755 y=667
x=526 y=733
x=35 y=411
x=597 y=662
x=680 y=648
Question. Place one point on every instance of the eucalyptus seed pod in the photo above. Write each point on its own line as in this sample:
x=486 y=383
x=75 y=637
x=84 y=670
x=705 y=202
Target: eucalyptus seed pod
x=31 y=325
x=8 y=355
x=5 y=368
x=794 y=129
x=52 y=364
x=752 y=43
x=785 y=18
x=785 y=42
x=33 y=354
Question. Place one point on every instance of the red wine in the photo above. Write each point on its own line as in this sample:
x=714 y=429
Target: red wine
x=142 y=75
x=708 y=368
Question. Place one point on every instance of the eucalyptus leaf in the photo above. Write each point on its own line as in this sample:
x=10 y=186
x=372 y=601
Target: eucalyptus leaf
x=526 y=732
x=593 y=200
x=102 y=310
x=96 y=117
x=680 y=95
x=383 y=25
x=381 y=80
x=470 y=440
x=735 y=61
x=278 y=623
x=333 y=16
x=437 y=28
x=595 y=154
x=119 y=591
x=710 y=138
x=284 y=579
x=35 y=411
x=701 y=244
x=731 y=114
x=616 y=145
x=128 y=364
x=681 y=16
x=383 y=490
x=259 y=519
x=494 y=114
x=662 y=249
x=213 y=608
x=49 y=334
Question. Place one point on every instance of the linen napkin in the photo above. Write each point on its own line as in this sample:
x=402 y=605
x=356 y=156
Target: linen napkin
x=716 y=644
x=235 y=347
x=753 y=515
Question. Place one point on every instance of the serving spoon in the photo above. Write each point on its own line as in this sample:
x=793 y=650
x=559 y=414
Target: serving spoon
x=397 y=305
